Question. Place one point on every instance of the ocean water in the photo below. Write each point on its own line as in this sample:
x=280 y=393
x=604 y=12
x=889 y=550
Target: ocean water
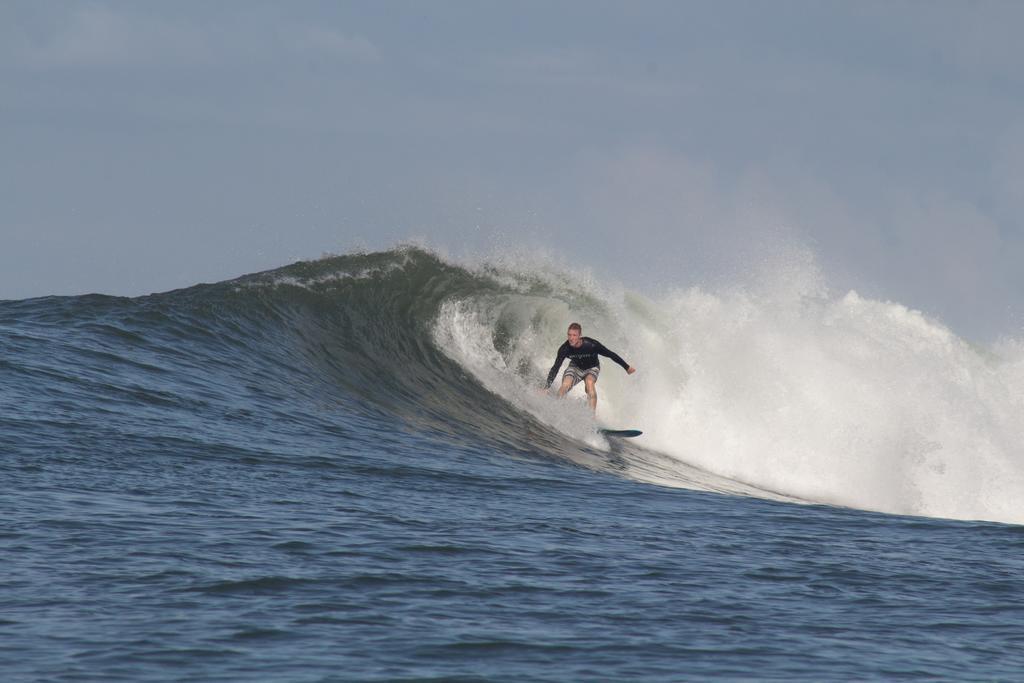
x=345 y=470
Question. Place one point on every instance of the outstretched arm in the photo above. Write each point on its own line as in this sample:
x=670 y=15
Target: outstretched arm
x=603 y=350
x=558 y=363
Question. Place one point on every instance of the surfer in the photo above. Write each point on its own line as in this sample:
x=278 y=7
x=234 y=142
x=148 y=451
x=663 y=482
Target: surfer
x=584 y=365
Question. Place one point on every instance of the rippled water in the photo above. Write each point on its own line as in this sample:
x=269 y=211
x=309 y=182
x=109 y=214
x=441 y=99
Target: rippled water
x=208 y=485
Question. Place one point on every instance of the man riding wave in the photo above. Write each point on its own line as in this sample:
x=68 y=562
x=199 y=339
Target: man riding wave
x=584 y=365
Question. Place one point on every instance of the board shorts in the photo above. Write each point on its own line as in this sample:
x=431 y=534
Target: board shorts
x=578 y=374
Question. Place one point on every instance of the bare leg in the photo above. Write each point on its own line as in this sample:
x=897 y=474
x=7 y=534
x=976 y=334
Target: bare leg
x=590 y=382
x=566 y=386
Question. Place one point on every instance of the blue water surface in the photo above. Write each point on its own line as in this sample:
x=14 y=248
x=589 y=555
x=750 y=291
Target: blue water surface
x=181 y=502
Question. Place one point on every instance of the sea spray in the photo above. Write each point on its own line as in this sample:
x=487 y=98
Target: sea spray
x=776 y=383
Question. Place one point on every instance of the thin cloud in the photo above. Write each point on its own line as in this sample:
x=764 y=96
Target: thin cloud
x=1008 y=172
x=332 y=43
x=98 y=36
x=977 y=40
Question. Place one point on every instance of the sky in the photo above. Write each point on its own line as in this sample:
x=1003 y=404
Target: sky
x=146 y=146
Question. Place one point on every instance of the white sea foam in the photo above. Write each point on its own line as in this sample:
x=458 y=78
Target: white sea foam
x=777 y=384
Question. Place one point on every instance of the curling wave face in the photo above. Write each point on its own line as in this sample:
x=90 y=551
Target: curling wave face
x=775 y=389
x=777 y=385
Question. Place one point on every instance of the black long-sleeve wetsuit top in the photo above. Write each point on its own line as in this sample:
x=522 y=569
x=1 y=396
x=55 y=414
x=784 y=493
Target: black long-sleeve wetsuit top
x=584 y=356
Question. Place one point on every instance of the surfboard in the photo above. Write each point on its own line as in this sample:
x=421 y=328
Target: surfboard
x=624 y=433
